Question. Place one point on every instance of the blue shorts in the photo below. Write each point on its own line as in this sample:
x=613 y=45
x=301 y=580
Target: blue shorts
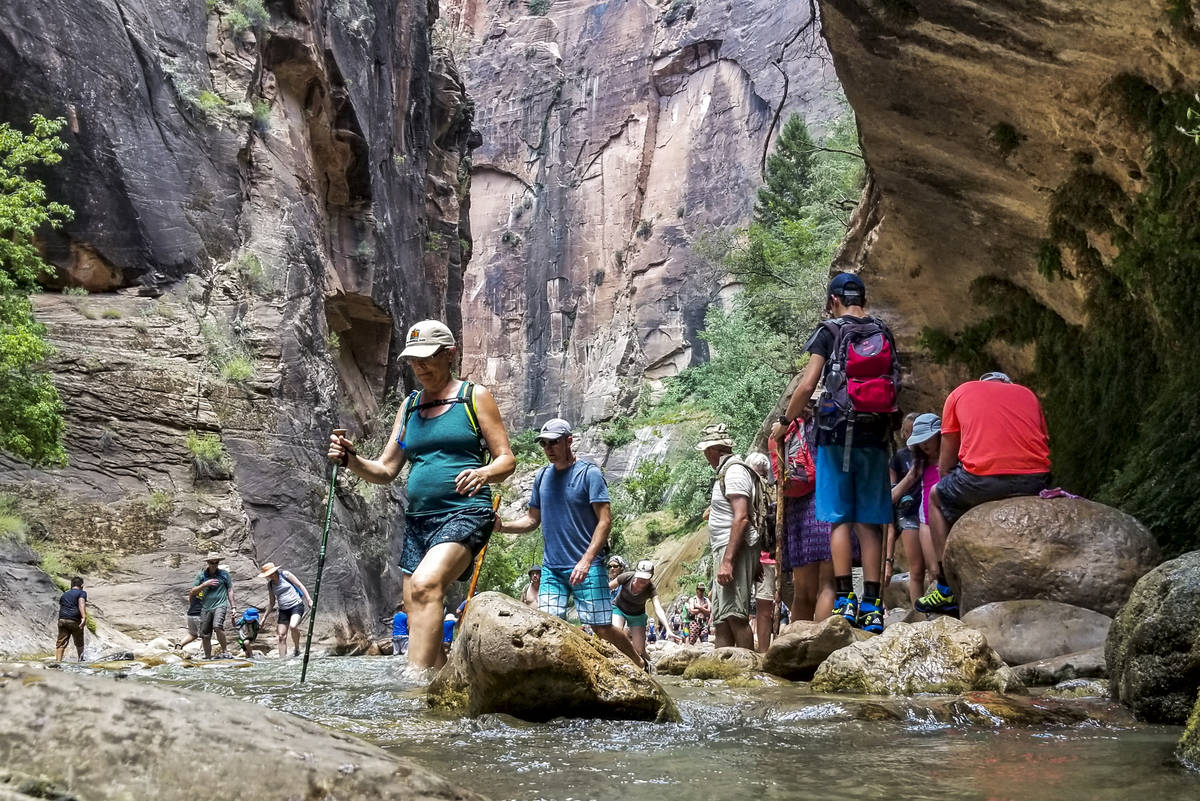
x=862 y=495
x=593 y=600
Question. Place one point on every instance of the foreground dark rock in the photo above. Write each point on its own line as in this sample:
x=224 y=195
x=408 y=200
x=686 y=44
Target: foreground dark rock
x=1069 y=550
x=1153 y=648
x=69 y=737
x=1189 y=744
x=512 y=659
x=940 y=656
x=802 y=646
x=1031 y=631
x=1083 y=665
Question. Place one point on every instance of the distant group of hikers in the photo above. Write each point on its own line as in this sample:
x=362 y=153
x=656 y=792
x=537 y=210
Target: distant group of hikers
x=828 y=456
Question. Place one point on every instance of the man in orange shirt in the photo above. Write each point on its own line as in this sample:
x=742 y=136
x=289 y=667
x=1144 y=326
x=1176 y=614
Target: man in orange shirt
x=994 y=445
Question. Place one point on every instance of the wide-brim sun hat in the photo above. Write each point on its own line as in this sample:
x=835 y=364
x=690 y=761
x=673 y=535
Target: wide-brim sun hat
x=714 y=435
x=426 y=338
x=268 y=569
x=925 y=427
x=213 y=556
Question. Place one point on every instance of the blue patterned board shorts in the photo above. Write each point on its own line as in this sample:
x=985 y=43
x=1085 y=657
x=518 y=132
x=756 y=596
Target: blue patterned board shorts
x=593 y=601
x=471 y=528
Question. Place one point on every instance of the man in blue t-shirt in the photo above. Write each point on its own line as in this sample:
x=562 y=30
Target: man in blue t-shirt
x=570 y=502
x=399 y=630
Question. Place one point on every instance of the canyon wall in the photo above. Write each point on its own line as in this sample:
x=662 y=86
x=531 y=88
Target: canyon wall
x=614 y=134
x=265 y=197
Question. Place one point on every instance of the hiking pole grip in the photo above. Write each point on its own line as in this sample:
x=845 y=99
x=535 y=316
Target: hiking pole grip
x=312 y=615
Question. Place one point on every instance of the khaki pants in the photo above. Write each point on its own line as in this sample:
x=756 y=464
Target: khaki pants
x=733 y=599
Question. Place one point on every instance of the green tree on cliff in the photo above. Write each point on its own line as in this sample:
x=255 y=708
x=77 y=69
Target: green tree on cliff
x=30 y=409
x=785 y=192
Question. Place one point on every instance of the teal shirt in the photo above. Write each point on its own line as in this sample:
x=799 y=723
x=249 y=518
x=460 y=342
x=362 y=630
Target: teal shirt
x=438 y=450
x=214 y=596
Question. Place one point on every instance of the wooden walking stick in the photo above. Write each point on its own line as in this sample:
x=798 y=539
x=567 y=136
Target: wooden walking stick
x=312 y=615
x=780 y=530
x=478 y=564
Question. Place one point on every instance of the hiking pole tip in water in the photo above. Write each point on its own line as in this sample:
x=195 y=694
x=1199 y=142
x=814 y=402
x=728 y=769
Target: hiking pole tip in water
x=312 y=615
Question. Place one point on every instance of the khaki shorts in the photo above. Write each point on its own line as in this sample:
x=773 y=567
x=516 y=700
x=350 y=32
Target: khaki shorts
x=733 y=599
x=765 y=589
x=69 y=630
x=213 y=619
x=193 y=625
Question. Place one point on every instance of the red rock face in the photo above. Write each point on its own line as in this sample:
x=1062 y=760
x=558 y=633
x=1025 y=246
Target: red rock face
x=613 y=135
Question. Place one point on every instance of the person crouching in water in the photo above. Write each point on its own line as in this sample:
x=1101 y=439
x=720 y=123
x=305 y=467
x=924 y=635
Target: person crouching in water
x=634 y=592
x=445 y=432
x=286 y=591
x=247 y=626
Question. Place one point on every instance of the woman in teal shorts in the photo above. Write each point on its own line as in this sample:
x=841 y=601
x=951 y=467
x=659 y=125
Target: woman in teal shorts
x=634 y=591
x=445 y=433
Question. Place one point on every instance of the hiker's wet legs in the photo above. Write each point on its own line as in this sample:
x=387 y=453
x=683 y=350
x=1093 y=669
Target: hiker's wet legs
x=281 y=631
x=734 y=631
x=206 y=642
x=616 y=636
x=424 y=596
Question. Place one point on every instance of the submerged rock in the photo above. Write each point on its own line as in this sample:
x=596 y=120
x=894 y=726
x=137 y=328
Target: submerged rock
x=804 y=645
x=1079 y=688
x=94 y=738
x=940 y=656
x=724 y=663
x=1030 y=631
x=1070 y=550
x=515 y=660
x=1088 y=664
x=1153 y=647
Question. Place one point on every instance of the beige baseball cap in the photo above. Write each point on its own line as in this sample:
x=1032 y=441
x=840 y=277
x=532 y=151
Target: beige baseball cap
x=426 y=338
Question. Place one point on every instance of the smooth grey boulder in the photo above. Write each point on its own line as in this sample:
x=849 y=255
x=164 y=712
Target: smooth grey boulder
x=1069 y=550
x=512 y=659
x=1153 y=647
x=676 y=660
x=725 y=663
x=1083 y=665
x=1030 y=631
x=801 y=648
x=100 y=739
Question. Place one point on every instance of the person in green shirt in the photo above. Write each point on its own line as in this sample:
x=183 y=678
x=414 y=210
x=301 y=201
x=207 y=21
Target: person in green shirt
x=442 y=432
x=217 y=589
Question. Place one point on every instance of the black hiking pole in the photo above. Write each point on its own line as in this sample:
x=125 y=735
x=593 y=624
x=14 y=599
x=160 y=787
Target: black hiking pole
x=312 y=615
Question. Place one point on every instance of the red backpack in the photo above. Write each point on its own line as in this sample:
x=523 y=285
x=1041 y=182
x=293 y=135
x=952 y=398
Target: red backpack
x=862 y=376
x=799 y=468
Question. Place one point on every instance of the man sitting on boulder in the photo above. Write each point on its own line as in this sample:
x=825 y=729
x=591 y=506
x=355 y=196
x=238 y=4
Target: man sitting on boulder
x=569 y=500
x=994 y=445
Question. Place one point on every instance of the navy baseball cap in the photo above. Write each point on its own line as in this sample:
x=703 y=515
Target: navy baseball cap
x=844 y=284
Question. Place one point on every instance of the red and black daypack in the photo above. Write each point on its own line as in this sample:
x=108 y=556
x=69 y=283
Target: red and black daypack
x=862 y=376
x=799 y=467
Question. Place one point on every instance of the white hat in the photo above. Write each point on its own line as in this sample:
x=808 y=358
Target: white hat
x=426 y=338
x=644 y=569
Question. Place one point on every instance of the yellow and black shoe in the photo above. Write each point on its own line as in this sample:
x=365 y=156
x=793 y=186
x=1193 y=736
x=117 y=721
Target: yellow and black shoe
x=938 y=601
x=847 y=607
x=870 y=617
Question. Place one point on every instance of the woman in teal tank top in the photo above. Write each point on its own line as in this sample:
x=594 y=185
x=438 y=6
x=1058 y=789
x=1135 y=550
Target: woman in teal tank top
x=449 y=517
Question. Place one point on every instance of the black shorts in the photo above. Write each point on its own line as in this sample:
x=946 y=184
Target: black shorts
x=961 y=491
x=285 y=615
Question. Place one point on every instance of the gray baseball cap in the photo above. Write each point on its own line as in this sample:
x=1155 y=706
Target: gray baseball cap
x=554 y=429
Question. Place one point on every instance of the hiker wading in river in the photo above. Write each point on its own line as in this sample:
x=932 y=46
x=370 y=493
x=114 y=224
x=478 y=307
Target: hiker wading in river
x=569 y=500
x=291 y=596
x=445 y=431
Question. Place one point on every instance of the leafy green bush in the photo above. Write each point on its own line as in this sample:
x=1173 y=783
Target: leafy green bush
x=508 y=560
x=525 y=447
x=31 y=424
x=538 y=8
x=160 y=503
x=238 y=370
x=111 y=314
x=209 y=460
x=12 y=524
x=209 y=104
x=648 y=486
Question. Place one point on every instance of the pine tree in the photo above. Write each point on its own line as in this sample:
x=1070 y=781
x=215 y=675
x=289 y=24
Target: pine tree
x=789 y=176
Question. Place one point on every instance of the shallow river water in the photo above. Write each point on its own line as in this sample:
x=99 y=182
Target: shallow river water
x=766 y=743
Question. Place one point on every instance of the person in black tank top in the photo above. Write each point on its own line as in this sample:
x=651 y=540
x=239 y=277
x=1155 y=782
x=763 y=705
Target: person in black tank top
x=72 y=619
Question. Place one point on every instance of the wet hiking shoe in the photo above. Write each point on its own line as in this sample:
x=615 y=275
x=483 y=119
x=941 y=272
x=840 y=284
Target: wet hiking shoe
x=847 y=607
x=870 y=617
x=938 y=601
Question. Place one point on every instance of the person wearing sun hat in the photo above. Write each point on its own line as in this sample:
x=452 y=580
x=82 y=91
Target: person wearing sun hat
x=217 y=588
x=451 y=434
x=730 y=536
x=995 y=445
x=291 y=596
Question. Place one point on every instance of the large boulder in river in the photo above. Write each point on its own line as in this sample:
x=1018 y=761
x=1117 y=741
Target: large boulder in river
x=797 y=652
x=1030 y=631
x=1153 y=647
x=724 y=663
x=1064 y=549
x=938 y=656
x=676 y=659
x=1088 y=664
x=68 y=736
x=516 y=660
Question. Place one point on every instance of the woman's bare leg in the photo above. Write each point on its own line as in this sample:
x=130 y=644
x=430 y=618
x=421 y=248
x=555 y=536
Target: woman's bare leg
x=424 y=597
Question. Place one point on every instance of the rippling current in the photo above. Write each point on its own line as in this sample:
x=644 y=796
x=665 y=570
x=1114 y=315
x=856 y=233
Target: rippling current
x=766 y=743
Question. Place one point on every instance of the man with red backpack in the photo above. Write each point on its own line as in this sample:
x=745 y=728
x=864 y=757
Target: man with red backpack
x=855 y=356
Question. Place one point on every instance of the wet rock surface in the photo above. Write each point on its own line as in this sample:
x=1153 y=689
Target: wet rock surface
x=676 y=660
x=724 y=663
x=1073 y=551
x=802 y=646
x=940 y=656
x=511 y=659
x=61 y=739
x=1153 y=647
x=1189 y=745
x=1032 y=631
x=1083 y=665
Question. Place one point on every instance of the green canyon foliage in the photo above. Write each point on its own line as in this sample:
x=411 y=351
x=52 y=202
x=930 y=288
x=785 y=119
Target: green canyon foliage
x=31 y=423
x=1119 y=391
